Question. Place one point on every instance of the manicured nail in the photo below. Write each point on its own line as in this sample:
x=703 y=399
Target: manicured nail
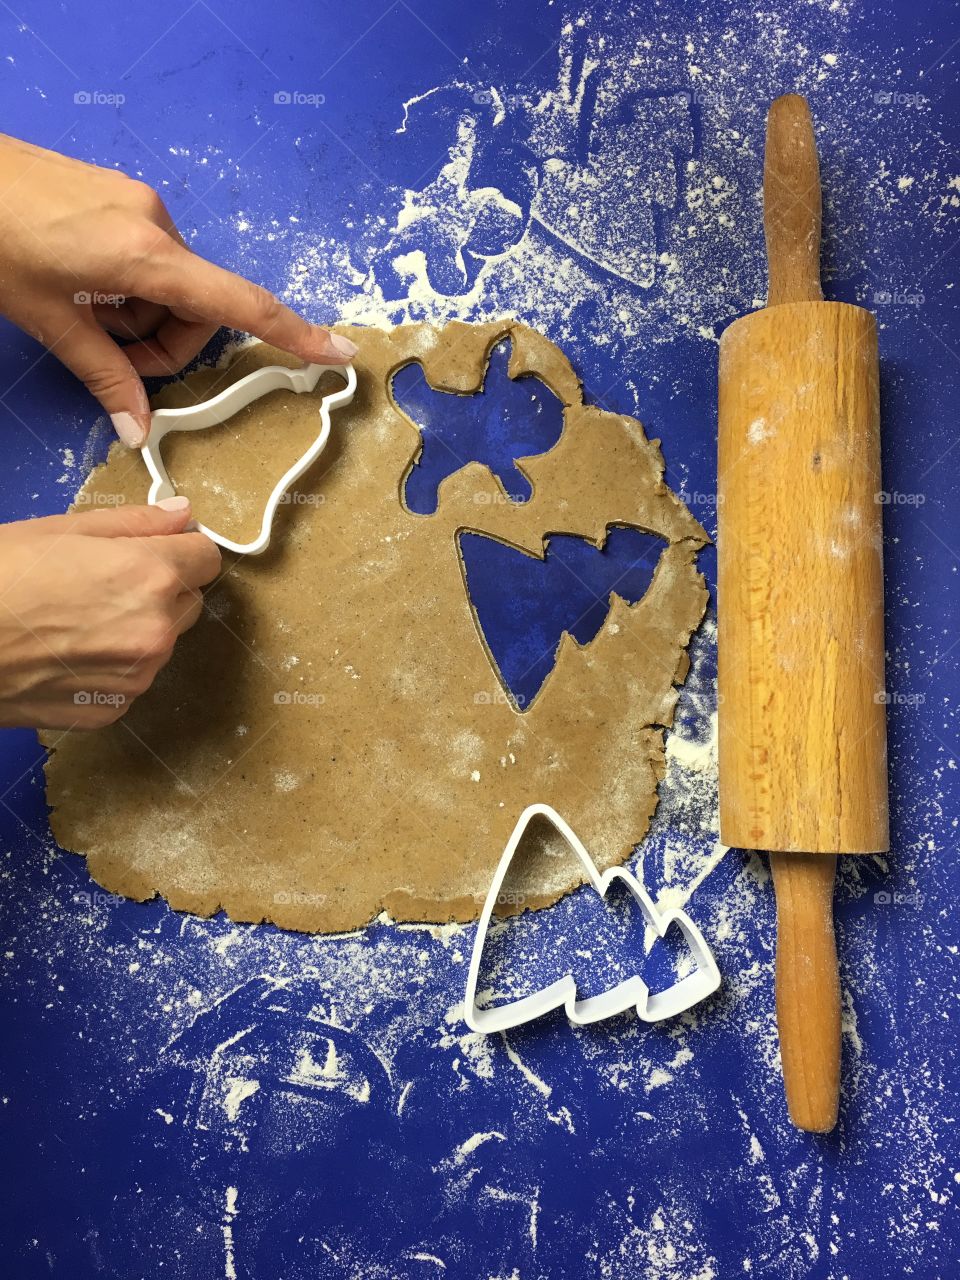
x=343 y=346
x=131 y=429
x=177 y=503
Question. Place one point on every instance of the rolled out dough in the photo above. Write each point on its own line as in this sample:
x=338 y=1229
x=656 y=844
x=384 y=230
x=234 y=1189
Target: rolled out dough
x=332 y=738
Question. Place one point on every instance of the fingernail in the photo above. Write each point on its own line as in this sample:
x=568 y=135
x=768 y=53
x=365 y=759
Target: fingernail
x=343 y=346
x=131 y=429
x=176 y=503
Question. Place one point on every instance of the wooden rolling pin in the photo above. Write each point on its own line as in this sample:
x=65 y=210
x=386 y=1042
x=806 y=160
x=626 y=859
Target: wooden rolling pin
x=803 y=769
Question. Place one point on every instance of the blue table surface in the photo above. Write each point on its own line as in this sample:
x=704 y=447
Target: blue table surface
x=189 y=1098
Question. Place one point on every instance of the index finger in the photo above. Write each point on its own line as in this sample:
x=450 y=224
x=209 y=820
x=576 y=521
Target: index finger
x=179 y=279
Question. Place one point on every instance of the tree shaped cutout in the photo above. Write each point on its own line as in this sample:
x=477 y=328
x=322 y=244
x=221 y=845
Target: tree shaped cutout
x=569 y=590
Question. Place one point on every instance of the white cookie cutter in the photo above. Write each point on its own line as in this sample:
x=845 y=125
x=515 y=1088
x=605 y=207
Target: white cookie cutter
x=218 y=408
x=563 y=993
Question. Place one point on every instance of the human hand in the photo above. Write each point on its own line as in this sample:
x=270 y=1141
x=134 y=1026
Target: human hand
x=88 y=252
x=90 y=608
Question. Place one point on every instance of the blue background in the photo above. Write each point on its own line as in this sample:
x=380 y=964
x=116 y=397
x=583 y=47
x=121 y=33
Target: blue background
x=382 y=1140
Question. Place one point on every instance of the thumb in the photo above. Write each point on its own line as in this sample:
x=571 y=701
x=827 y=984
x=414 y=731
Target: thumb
x=171 y=515
x=98 y=362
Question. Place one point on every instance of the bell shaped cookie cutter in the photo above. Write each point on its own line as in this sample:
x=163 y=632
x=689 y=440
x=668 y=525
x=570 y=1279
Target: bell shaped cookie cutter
x=650 y=1007
x=231 y=400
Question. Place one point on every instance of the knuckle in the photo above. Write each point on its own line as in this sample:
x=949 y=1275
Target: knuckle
x=143 y=240
x=131 y=562
x=141 y=678
x=212 y=559
x=205 y=559
x=146 y=645
x=268 y=307
x=144 y=198
x=163 y=581
x=104 y=380
x=157 y=640
x=190 y=616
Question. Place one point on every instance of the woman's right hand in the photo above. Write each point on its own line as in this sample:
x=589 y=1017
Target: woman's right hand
x=88 y=252
x=91 y=606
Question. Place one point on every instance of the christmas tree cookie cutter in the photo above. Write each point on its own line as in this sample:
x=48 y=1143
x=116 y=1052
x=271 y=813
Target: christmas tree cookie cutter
x=231 y=400
x=562 y=994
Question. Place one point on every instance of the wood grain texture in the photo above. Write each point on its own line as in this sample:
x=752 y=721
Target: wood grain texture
x=802 y=728
x=803 y=766
x=791 y=204
x=808 y=988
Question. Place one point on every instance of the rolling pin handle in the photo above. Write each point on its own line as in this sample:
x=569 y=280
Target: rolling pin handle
x=808 y=987
x=791 y=203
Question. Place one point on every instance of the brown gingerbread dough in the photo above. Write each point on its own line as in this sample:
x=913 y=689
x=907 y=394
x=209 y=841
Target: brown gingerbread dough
x=332 y=739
